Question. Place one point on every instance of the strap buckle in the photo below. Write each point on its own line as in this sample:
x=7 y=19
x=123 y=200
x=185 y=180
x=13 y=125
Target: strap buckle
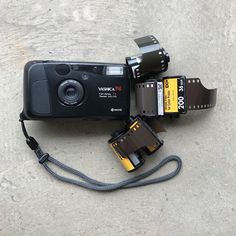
x=43 y=158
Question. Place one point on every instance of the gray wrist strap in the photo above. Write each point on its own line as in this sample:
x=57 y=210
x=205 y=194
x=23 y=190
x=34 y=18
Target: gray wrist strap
x=92 y=184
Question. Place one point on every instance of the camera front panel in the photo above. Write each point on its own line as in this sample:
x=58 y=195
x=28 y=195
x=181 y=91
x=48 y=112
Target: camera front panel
x=76 y=89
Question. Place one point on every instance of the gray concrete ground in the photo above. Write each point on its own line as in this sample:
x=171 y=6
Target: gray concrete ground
x=200 y=38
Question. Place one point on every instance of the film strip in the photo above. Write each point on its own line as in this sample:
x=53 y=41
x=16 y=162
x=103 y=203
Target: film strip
x=152 y=58
x=173 y=95
x=199 y=97
x=128 y=144
x=147 y=99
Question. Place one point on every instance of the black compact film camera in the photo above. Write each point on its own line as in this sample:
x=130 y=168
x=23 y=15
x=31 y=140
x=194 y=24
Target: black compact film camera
x=54 y=89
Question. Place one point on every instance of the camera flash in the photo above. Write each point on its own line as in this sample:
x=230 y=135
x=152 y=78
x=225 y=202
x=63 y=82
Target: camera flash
x=114 y=70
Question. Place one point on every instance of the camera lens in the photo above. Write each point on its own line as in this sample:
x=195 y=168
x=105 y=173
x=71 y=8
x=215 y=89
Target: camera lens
x=70 y=92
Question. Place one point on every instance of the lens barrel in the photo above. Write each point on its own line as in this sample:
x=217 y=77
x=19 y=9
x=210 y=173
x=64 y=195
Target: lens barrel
x=70 y=92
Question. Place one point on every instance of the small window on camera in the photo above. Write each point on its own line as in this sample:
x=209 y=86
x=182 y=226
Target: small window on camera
x=114 y=70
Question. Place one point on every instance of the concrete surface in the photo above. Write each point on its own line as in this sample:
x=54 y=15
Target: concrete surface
x=200 y=38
